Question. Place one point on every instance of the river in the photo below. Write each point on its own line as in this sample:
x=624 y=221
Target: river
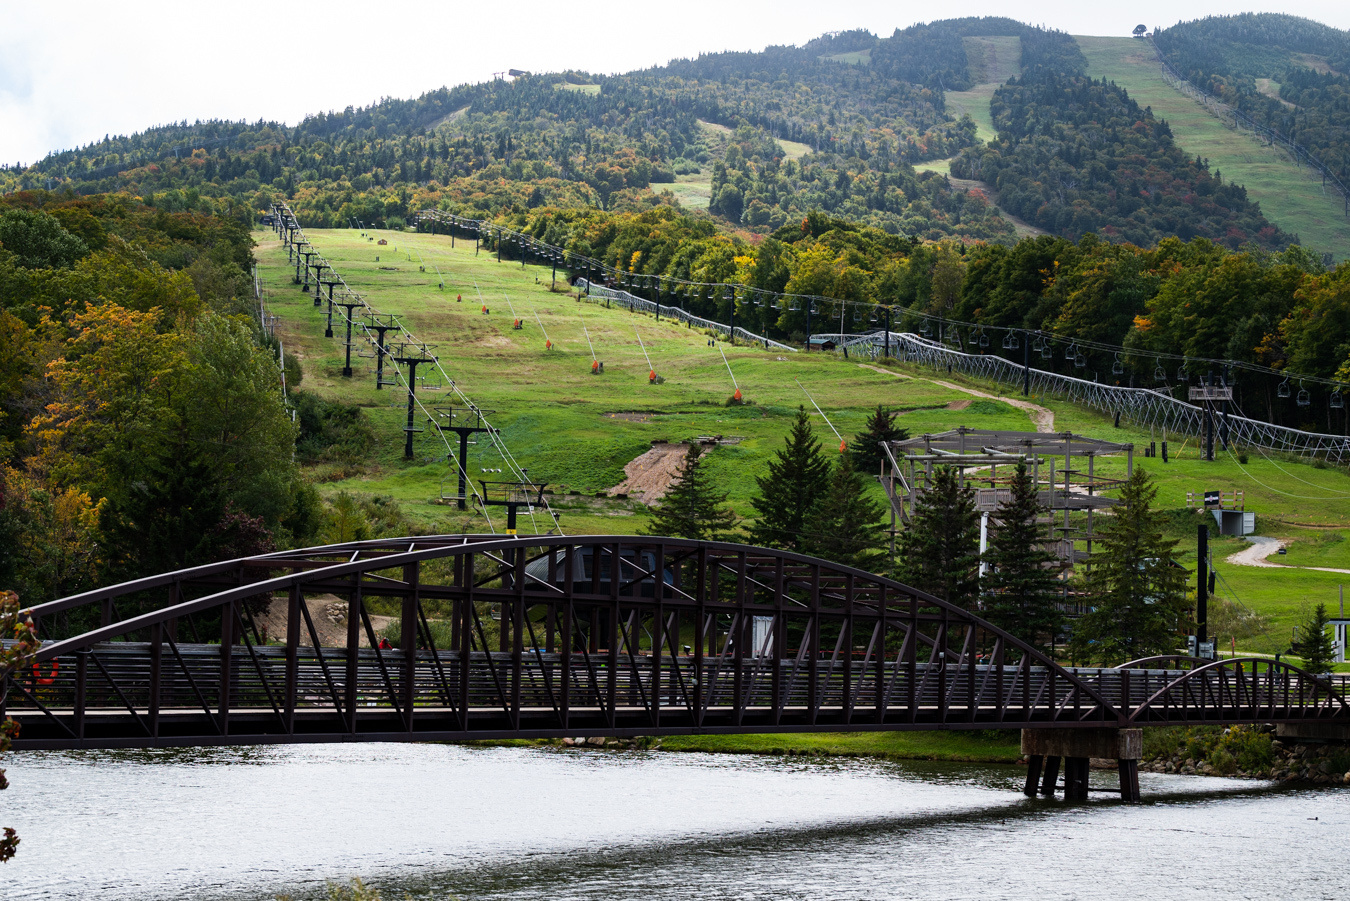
x=441 y=822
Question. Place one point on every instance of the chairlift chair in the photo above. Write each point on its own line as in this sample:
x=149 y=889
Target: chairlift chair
x=1304 y=396
x=1283 y=389
x=1047 y=351
x=1080 y=360
x=1071 y=351
x=1118 y=367
x=1182 y=375
x=1010 y=341
x=1159 y=374
x=1337 y=402
x=984 y=339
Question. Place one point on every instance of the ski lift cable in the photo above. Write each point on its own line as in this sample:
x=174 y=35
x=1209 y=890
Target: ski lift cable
x=1301 y=497
x=647 y=356
x=1271 y=460
x=728 y=363
x=820 y=411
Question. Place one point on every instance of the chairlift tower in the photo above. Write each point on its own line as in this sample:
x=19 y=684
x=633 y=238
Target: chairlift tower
x=1209 y=395
x=512 y=496
x=307 y=254
x=411 y=356
x=348 y=306
x=464 y=422
x=380 y=324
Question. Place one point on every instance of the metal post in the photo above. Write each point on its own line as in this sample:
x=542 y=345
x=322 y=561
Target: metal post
x=1026 y=365
x=1202 y=586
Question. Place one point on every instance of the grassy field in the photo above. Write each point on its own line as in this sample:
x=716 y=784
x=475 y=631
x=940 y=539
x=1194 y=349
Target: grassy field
x=1289 y=195
x=576 y=431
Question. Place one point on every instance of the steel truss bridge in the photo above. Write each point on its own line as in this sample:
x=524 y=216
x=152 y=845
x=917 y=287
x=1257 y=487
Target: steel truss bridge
x=577 y=636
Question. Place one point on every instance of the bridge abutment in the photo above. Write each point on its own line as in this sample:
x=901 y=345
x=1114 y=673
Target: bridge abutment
x=1333 y=732
x=1045 y=749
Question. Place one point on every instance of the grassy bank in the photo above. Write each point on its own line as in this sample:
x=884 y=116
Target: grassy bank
x=983 y=746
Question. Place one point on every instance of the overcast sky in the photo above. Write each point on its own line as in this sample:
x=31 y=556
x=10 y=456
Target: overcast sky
x=72 y=72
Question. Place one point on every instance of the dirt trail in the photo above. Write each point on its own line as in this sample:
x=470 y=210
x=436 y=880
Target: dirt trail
x=651 y=475
x=329 y=615
x=1043 y=419
x=1261 y=548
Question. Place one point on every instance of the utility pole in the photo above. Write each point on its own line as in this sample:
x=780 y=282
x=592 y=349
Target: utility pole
x=1201 y=589
x=380 y=324
x=411 y=356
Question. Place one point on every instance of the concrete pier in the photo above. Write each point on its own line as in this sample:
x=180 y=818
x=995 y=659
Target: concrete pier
x=1045 y=749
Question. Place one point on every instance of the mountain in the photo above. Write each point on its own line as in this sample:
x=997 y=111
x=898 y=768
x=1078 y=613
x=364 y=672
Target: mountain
x=759 y=139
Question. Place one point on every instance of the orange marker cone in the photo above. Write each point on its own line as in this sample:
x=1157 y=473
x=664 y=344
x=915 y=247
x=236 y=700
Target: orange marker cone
x=459 y=298
x=595 y=365
x=484 y=309
x=843 y=446
x=737 y=395
x=548 y=345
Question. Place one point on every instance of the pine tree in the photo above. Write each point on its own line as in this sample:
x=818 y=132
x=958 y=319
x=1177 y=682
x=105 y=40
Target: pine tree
x=693 y=508
x=1021 y=593
x=939 y=551
x=1314 y=644
x=846 y=525
x=1136 y=592
x=796 y=479
x=866 y=446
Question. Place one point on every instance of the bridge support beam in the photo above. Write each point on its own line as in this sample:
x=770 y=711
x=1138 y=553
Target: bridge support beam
x=1045 y=748
x=1334 y=732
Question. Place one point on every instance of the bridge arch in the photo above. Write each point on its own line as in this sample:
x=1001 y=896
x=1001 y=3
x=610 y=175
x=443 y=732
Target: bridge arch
x=538 y=636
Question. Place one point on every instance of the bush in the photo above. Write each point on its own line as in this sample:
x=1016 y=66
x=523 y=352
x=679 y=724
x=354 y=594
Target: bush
x=331 y=431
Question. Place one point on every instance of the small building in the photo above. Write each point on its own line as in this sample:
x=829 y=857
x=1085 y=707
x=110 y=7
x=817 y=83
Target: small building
x=819 y=343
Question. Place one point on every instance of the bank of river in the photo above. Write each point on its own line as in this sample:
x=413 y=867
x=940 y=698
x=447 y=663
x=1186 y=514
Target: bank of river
x=441 y=821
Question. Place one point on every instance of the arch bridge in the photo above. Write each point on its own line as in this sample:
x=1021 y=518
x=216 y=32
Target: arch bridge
x=487 y=637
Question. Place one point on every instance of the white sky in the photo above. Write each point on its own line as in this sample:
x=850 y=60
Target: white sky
x=72 y=72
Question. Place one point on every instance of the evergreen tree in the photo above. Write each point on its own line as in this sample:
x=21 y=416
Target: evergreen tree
x=939 y=551
x=846 y=525
x=693 y=508
x=866 y=446
x=1136 y=592
x=1021 y=593
x=796 y=479
x=1314 y=644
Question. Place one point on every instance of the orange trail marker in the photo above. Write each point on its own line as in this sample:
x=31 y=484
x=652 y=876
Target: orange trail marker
x=651 y=374
x=548 y=345
x=737 y=395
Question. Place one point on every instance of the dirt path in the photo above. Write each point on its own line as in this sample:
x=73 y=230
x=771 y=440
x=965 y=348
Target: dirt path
x=1261 y=548
x=1043 y=419
x=328 y=612
x=651 y=475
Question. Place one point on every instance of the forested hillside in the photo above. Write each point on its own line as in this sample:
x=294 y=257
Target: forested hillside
x=142 y=426
x=833 y=126
x=1285 y=72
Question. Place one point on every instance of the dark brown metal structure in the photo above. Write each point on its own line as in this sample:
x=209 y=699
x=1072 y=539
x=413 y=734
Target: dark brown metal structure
x=576 y=636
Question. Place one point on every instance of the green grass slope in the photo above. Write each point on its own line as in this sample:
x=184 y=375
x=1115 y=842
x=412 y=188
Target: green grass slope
x=577 y=431
x=1290 y=196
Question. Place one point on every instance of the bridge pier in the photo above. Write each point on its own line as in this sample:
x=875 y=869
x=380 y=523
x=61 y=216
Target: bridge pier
x=1046 y=748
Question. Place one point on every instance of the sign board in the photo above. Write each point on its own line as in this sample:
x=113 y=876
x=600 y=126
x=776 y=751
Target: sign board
x=1213 y=499
x=1210 y=393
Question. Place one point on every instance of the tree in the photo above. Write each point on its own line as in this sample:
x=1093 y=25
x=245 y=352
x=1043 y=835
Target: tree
x=845 y=525
x=38 y=241
x=693 y=508
x=1021 y=593
x=1135 y=589
x=1314 y=645
x=796 y=479
x=866 y=447
x=18 y=629
x=939 y=551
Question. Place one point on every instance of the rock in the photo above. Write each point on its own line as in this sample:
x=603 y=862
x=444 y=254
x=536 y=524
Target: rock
x=1277 y=746
x=568 y=743
x=596 y=741
x=1188 y=770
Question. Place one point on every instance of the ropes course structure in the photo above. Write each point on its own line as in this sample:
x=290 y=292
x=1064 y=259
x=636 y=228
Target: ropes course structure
x=402 y=354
